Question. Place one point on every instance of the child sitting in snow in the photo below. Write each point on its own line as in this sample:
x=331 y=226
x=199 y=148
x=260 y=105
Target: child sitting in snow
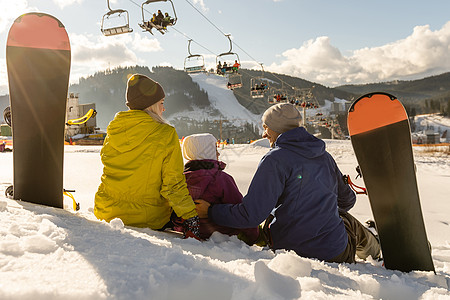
x=206 y=180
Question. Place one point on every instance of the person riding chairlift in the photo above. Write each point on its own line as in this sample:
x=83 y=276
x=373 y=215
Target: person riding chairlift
x=152 y=20
x=159 y=18
x=167 y=20
x=224 y=67
x=219 y=68
x=236 y=66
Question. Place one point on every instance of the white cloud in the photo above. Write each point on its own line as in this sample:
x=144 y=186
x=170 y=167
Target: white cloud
x=423 y=53
x=93 y=53
x=64 y=3
x=202 y=5
x=98 y=52
x=10 y=11
x=165 y=64
x=145 y=44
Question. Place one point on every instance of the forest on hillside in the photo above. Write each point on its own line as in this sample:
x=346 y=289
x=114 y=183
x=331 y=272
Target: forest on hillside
x=283 y=84
x=107 y=90
x=422 y=96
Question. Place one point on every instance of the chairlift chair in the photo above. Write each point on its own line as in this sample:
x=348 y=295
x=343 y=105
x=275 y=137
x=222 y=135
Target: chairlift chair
x=198 y=64
x=258 y=86
x=194 y=63
x=278 y=96
x=147 y=25
x=306 y=97
x=109 y=31
x=229 y=68
x=257 y=90
x=234 y=81
x=231 y=57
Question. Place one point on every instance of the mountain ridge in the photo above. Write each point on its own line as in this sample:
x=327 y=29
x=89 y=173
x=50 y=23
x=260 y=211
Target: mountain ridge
x=184 y=96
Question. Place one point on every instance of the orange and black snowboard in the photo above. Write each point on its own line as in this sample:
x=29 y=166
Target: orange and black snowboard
x=38 y=63
x=381 y=138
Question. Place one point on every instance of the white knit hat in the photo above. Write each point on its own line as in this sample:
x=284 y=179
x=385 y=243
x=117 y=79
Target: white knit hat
x=282 y=117
x=199 y=146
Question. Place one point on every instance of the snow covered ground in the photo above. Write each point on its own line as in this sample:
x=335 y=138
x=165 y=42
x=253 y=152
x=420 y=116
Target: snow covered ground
x=48 y=253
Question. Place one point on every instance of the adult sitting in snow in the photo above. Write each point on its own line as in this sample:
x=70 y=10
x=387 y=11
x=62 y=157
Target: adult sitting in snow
x=206 y=179
x=143 y=181
x=299 y=184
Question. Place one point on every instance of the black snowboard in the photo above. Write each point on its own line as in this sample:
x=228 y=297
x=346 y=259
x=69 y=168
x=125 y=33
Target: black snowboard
x=380 y=135
x=38 y=63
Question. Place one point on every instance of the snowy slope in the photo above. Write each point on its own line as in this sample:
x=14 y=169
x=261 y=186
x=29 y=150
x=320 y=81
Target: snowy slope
x=221 y=99
x=432 y=121
x=48 y=253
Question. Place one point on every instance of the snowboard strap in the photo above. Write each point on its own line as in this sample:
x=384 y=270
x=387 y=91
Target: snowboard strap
x=354 y=187
x=90 y=114
x=76 y=205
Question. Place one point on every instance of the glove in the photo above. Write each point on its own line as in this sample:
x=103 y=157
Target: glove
x=178 y=224
x=260 y=240
x=192 y=228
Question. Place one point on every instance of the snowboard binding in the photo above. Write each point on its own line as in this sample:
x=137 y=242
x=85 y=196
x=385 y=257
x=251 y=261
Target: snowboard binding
x=7 y=115
x=9 y=192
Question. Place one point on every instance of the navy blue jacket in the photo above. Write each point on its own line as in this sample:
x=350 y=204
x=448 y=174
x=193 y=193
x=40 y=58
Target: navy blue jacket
x=303 y=181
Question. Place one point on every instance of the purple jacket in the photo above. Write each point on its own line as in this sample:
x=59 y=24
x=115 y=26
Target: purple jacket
x=206 y=180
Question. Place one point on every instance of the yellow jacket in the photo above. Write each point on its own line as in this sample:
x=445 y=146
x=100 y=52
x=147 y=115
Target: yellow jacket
x=142 y=179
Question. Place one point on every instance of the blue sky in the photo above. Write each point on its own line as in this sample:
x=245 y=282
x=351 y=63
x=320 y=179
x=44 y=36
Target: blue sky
x=325 y=41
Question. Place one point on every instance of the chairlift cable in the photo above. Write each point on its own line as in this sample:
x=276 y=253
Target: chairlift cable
x=189 y=38
x=173 y=28
x=215 y=26
x=205 y=17
x=255 y=60
x=234 y=43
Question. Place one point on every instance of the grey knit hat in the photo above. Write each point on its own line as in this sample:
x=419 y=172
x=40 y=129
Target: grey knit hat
x=282 y=117
x=143 y=92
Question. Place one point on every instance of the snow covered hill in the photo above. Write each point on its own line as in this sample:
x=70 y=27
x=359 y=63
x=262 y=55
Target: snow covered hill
x=222 y=100
x=48 y=253
x=434 y=122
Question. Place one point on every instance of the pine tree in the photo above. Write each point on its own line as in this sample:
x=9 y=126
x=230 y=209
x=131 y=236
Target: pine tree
x=448 y=108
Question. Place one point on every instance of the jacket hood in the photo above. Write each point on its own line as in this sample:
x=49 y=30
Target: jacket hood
x=298 y=140
x=199 y=179
x=130 y=128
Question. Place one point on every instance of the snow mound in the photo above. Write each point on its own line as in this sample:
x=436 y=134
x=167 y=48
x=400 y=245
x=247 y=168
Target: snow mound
x=261 y=143
x=48 y=253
